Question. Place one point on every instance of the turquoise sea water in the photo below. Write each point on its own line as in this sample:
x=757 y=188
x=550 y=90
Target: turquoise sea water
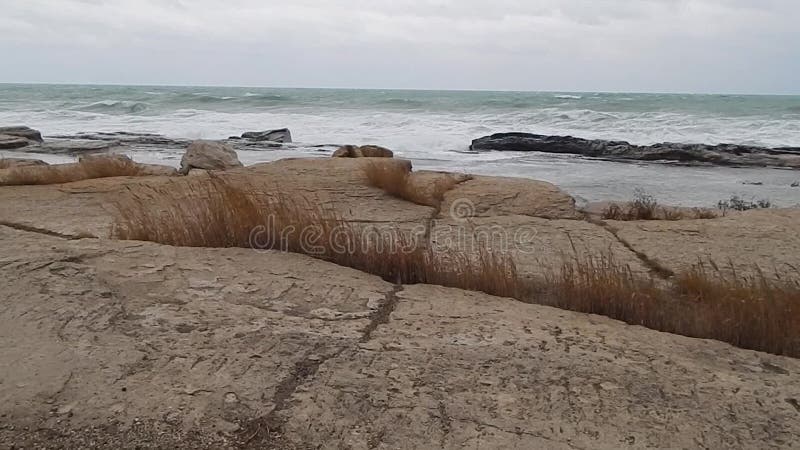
x=434 y=128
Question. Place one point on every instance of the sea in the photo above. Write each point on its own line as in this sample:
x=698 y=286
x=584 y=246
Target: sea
x=434 y=130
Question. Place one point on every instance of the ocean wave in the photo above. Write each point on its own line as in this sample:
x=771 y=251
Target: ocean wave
x=405 y=102
x=114 y=107
x=568 y=97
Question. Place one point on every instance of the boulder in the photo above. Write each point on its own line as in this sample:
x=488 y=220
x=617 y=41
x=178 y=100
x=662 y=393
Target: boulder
x=722 y=154
x=8 y=163
x=8 y=142
x=282 y=135
x=364 y=151
x=24 y=132
x=209 y=155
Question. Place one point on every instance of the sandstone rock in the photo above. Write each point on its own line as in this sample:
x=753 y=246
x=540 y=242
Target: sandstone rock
x=723 y=154
x=495 y=196
x=7 y=163
x=189 y=330
x=748 y=242
x=8 y=142
x=210 y=156
x=197 y=173
x=282 y=135
x=22 y=131
x=364 y=151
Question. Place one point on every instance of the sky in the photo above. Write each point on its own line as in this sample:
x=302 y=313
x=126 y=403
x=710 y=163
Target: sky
x=696 y=46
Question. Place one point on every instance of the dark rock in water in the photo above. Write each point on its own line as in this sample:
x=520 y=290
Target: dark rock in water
x=722 y=154
x=72 y=147
x=128 y=138
x=8 y=142
x=795 y=184
x=282 y=135
x=22 y=131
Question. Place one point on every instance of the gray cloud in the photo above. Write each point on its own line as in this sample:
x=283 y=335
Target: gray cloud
x=642 y=45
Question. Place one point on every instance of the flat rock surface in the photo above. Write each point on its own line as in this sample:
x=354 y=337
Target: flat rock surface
x=497 y=196
x=766 y=240
x=128 y=344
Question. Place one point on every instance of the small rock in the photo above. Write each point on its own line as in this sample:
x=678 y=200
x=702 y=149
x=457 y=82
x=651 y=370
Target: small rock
x=231 y=397
x=173 y=418
x=66 y=409
x=282 y=135
x=209 y=155
x=364 y=151
x=795 y=184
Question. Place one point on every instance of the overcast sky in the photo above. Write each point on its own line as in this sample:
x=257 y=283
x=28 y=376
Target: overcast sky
x=736 y=46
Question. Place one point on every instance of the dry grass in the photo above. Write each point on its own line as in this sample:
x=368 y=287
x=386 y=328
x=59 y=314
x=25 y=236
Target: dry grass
x=396 y=180
x=213 y=213
x=66 y=173
x=646 y=207
x=752 y=312
x=191 y=213
x=755 y=313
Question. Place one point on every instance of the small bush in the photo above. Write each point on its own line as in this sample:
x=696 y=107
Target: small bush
x=737 y=203
x=643 y=207
x=646 y=207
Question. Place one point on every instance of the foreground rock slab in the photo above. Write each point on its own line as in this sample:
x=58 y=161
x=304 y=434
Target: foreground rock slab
x=130 y=344
x=723 y=154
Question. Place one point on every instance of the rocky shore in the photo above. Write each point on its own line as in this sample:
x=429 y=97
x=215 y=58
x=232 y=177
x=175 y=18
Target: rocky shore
x=722 y=154
x=128 y=344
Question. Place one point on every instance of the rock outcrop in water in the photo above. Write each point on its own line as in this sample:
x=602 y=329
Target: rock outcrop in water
x=283 y=136
x=722 y=154
x=23 y=131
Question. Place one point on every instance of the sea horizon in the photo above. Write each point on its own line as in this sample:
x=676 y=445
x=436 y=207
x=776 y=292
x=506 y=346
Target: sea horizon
x=341 y=88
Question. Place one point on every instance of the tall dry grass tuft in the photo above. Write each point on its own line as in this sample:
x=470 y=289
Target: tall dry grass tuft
x=749 y=311
x=104 y=167
x=600 y=285
x=97 y=167
x=188 y=213
x=756 y=313
x=397 y=181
